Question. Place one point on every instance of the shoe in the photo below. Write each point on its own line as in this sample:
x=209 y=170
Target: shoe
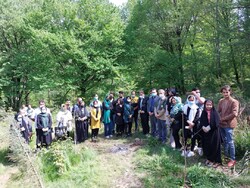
x=106 y=136
x=200 y=151
x=215 y=165
x=190 y=154
x=184 y=153
x=196 y=148
x=110 y=136
x=207 y=162
x=210 y=164
x=231 y=163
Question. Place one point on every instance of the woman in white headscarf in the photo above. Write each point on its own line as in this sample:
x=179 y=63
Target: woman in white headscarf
x=191 y=116
x=64 y=120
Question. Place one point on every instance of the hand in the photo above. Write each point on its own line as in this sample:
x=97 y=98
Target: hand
x=205 y=129
x=45 y=129
x=22 y=129
x=142 y=112
x=130 y=116
x=84 y=118
x=119 y=114
x=193 y=93
x=150 y=113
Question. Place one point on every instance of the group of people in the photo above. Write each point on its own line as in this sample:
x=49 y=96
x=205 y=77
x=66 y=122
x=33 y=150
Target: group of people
x=194 y=124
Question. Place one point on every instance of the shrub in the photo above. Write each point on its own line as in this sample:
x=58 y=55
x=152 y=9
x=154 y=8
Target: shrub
x=199 y=176
x=58 y=159
x=242 y=140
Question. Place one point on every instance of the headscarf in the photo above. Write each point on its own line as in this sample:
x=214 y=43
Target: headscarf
x=193 y=108
x=177 y=107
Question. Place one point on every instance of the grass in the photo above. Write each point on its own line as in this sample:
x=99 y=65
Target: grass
x=165 y=168
x=93 y=165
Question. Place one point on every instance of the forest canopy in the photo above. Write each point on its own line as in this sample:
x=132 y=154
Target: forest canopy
x=66 y=48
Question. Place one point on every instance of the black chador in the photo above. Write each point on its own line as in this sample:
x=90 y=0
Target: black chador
x=81 y=120
x=211 y=140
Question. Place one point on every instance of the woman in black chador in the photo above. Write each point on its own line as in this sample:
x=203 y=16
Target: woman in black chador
x=211 y=140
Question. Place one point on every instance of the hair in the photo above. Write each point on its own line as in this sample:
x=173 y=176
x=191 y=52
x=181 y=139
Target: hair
x=121 y=92
x=41 y=101
x=141 y=91
x=128 y=97
x=225 y=87
x=161 y=90
x=208 y=100
x=195 y=88
x=153 y=89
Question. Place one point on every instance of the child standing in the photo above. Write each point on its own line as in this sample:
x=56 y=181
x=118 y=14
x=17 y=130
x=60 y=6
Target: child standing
x=211 y=140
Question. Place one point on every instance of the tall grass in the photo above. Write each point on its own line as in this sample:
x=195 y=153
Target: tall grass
x=165 y=168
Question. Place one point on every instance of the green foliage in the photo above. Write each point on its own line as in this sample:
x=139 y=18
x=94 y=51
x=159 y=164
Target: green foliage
x=162 y=166
x=56 y=161
x=242 y=139
x=207 y=177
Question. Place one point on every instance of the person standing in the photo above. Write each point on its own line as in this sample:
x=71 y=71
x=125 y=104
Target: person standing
x=191 y=115
x=127 y=116
x=119 y=109
x=106 y=117
x=64 y=121
x=43 y=125
x=134 y=103
x=153 y=99
x=211 y=139
x=95 y=120
x=228 y=109
x=161 y=116
x=81 y=121
x=25 y=124
x=176 y=119
x=142 y=104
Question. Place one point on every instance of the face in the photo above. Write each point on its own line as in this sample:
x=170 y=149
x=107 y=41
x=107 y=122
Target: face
x=226 y=93
x=42 y=104
x=209 y=105
x=68 y=103
x=141 y=94
x=133 y=93
x=154 y=92
x=198 y=92
x=173 y=101
x=191 y=99
x=120 y=95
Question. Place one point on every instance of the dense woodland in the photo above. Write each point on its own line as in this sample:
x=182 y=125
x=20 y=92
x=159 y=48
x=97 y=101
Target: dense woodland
x=58 y=49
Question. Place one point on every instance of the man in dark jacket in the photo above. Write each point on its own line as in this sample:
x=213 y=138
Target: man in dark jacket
x=142 y=105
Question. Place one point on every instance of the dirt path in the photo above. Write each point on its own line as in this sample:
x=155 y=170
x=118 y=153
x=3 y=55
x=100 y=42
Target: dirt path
x=6 y=176
x=6 y=168
x=117 y=155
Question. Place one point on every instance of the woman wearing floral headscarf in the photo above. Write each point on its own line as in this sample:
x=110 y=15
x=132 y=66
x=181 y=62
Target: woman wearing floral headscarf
x=175 y=115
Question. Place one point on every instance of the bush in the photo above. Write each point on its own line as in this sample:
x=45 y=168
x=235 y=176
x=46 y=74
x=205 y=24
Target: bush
x=199 y=176
x=242 y=140
x=58 y=159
